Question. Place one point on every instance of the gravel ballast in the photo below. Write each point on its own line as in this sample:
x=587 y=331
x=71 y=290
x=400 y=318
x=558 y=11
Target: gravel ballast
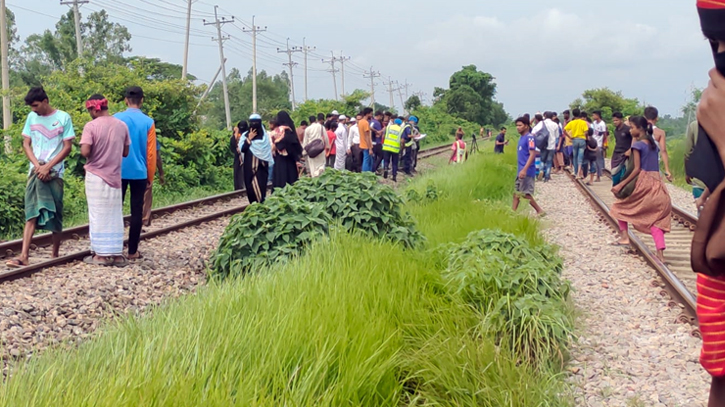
x=630 y=350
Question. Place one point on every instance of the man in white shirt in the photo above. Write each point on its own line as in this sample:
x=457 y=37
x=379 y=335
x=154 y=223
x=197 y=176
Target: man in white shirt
x=353 y=146
x=547 y=156
x=599 y=128
x=341 y=143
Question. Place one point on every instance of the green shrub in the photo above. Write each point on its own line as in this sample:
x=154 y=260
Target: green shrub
x=517 y=286
x=12 y=197
x=292 y=217
x=268 y=233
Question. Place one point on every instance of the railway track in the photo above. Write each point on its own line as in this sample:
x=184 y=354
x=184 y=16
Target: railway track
x=75 y=240
x=677 y=278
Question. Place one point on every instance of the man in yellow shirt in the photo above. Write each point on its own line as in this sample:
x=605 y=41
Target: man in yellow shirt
x=576 y=131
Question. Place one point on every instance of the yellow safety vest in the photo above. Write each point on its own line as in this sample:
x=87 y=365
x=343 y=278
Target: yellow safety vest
x=392 y=139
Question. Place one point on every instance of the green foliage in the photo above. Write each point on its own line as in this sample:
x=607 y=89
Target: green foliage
x=412 y=103
x=45 y=53
x=518 y=287
x=367 y=326
x=287 y=222
x=608 y=101
x=272 y=95
x=439 y=125
x=471 y=97
x=12 y=197
x=350 y=106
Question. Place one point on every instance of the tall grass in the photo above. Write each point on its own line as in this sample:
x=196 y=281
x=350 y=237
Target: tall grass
x=472 y=196
x=366 y=326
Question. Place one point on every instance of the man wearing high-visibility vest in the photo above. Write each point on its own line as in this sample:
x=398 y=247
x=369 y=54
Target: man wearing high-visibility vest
x=391 y=147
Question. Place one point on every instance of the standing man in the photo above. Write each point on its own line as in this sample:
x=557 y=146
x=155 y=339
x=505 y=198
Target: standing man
x=547 y=156
x=148 y=196
x=104 y=143
x=622 y=138
x=391 y=148
x=500 y=141
x=376 y=126
x=576 y=131
x=302 y=127
x=415 y=132
x=652 y=115
x=526 y=155
x=600 y=131
x=366 y=139
x=139 y=167
x=353 y=145
x=47 y=140
x=407 y=137
x=341 y=143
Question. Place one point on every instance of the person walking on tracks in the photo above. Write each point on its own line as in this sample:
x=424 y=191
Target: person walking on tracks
x=391 y=148
x=643 y=199
x=707 y=244
x=287 y=150
x=139 y=167
x=256 y=149
x=526 y=155
x=241 y=128
x=47 y=140
x=104 y=144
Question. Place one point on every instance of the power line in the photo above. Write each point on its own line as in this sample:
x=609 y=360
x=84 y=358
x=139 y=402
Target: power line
x=372 y=75
x=220 y=39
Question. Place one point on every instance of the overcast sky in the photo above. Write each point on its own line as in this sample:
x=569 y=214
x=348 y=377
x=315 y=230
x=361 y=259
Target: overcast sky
x=542 y=56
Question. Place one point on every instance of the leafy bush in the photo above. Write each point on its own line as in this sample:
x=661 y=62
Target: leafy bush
x=268 y=233
x=359 y=202
x=289 y=220
x=12 y=197
x=517 y=287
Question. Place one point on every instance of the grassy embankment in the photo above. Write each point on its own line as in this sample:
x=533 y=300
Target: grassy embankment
x=354 y=321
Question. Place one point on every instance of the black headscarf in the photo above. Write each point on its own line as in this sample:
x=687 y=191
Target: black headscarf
x=256 y=124
x=284 y=119
x=242 y=126
x=712 y=21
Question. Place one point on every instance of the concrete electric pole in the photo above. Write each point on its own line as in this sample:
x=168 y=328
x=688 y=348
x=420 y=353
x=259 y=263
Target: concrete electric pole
x=220 y=39
x=289 y=51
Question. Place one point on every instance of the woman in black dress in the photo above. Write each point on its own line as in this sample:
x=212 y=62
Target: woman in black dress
x=257 y=152
x=287 y=152
x=241 y=128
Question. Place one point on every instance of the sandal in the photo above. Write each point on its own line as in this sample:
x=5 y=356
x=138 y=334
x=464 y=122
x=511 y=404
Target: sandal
x=140 y=256
x=16 y=263
x=92 y=260
x=123 y=262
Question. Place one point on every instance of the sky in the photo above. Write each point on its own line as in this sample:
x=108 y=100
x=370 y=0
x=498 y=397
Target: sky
x=542 y=54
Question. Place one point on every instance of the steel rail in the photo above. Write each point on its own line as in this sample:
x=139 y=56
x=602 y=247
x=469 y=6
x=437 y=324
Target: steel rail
x=673 y=285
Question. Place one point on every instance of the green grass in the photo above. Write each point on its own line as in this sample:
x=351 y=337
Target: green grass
x=353 y=322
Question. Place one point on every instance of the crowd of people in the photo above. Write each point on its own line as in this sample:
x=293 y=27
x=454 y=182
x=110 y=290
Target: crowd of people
x=121 y=153
x=365 y=142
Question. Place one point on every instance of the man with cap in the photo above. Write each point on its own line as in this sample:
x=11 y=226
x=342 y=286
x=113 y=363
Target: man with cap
x=391 y=147
x=139 y=167
x=707 y=244
x=341 y=143
x=413 y=121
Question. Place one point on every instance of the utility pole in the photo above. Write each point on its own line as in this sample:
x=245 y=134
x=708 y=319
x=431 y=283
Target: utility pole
x=332 y=70
x=400 y=93
x=342 y=60
x=291 y=65
x=372 y=75
x=390 y=92
x=220 y=39
x=7 y=114
x=254 y=30
x=406 y=86
x=186 y=41
x=306 y=50
x=208 y=88
x=77 y=17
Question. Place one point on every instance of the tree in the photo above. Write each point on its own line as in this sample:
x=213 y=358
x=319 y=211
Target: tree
x=272 y=95
x=608 y=101
x=51 y=51
x=412 y=103
x=471 y=97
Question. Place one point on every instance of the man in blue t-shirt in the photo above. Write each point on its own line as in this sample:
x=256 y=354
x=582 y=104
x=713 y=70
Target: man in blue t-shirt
x=376 y=126
x=526 y=153
x=500 y=141
x=139 y=167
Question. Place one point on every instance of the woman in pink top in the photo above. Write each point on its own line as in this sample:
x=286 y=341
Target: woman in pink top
x=331 y=126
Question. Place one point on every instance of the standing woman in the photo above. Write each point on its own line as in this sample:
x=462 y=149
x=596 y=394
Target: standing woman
x=234 y=146
x=649 y=207
x=287 y=152
x=257 y=157
x=459 y=149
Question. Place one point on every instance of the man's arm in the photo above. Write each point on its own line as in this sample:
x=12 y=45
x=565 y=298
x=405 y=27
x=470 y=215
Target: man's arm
x=663 y=150
x=86 y=150
x=28 y=149
x=529 y=163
